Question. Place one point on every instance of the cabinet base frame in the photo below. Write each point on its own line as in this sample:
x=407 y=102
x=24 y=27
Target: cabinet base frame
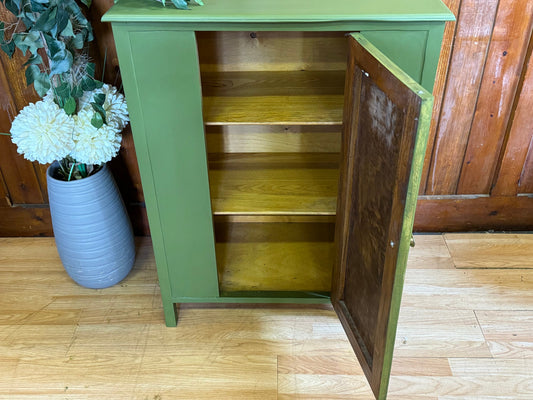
x=171 y=308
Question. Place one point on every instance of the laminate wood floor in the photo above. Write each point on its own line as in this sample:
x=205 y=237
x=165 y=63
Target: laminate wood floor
x=465 y=333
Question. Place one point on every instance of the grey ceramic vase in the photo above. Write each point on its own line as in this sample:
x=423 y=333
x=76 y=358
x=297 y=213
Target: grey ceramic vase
x=92 y=230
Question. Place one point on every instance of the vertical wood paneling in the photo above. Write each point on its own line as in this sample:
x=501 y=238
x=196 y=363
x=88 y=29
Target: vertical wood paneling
x=4 y=198
x=509 y=181
x=505 y=60
x=440 y=85
x=526 y=179
x=19 y=174
x=475 y=23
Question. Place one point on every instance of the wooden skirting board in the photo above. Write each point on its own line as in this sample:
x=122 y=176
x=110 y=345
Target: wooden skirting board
x=433 y=214
x=463 y=213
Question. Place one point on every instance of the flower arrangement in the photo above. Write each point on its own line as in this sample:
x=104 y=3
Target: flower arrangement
x=79 y=120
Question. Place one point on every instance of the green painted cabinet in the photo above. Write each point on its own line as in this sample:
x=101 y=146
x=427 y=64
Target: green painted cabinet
x=280 y=146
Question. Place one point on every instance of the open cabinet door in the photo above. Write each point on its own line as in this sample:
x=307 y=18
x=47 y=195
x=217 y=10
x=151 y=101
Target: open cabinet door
x=386 y=122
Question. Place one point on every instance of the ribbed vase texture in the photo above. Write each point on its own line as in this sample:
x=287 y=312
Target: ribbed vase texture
x=92 y=230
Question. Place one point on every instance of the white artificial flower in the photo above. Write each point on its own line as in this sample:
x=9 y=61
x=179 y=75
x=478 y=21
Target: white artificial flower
x=94 y=146
x=114 y=105
x=43 y=132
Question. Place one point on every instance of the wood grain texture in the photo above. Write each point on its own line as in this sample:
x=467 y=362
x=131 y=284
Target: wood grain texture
x=505 y=59
x=440 y=86
x=380 y=134
x=274 y=257
x=274 y=110
x=273 y=139
x=271 y=51
x=269 y=184
x=267 y=83
x=429 y=250
x=20 y=176
x=514 y=172
x=476 y=251
x=59 y=340
x=5 y=200
x=25 y=221
x=526 y=178
x=458 y=213
x=474 y=28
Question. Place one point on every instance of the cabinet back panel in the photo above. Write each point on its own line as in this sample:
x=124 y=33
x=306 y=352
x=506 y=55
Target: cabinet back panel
x=272 y=83
x=271 y=51
x=274 y=256
x=273 y=139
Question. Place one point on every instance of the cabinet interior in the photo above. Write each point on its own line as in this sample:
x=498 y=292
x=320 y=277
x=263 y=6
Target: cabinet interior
x=273 y=106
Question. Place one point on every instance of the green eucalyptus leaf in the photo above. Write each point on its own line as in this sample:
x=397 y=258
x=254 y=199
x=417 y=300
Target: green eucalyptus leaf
x=97 y=121
x=34 y=59
x=36 y=7
x=8 y=48
x=62 y=20
x=68 y=31
x=70 y=106
x=77 y=91
x=32 y=73
x=89 y=69
x=47 y=21
x=78 y=41
x=28 y=41
x=181 y=4
x=61 y=62
x=99 y=99
x=98 y=84
x=87 y=2
x=199 y=2
x=100 y=110
x=54 y=46
x=42 y=84
x=63 y=90
x=12 y=6
x=88 y=84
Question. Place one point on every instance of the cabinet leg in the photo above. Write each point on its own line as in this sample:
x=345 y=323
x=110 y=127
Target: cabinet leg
x=169 y=310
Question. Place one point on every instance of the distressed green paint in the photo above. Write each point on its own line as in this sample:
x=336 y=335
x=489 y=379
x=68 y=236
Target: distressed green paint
x=276 y=11
x=410 y=204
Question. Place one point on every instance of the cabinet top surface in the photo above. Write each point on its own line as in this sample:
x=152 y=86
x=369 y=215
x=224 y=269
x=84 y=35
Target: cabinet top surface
x=272 y=11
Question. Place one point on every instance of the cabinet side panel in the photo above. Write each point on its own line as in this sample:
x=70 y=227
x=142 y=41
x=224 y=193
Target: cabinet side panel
x=407 y=49
x=164 y=91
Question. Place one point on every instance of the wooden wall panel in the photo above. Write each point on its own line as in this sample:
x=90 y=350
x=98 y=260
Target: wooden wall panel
x=526 y=178
x=474 y=28
x=507 y=51
x=5 y=201
x=440 y=85
x=514 y=173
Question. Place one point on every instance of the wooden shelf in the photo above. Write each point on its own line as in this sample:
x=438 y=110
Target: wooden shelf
x=273 y=110
x=274 y=184
x=275 y=257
